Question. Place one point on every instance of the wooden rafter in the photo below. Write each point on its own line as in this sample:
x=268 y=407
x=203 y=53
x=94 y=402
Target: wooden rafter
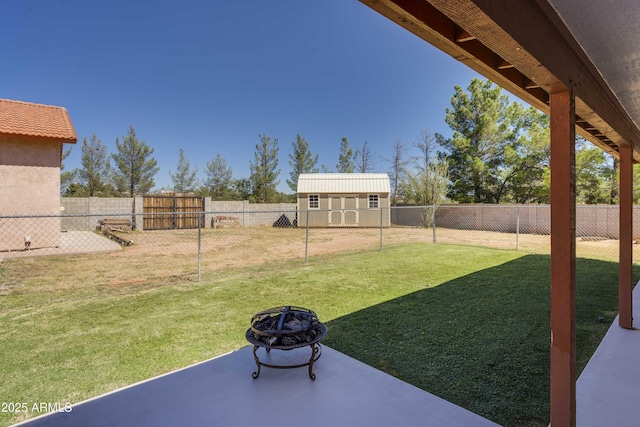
x=501 y=64
x=464 y=36
x=530 y=84
x=508 y=42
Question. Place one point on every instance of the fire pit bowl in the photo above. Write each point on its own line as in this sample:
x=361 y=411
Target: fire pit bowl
x=286 y=328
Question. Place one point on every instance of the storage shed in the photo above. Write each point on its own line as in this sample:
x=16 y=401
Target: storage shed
x=343 y=199
x=31 y=140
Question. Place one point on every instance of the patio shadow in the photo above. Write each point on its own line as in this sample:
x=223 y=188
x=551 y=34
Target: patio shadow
x=481 y=341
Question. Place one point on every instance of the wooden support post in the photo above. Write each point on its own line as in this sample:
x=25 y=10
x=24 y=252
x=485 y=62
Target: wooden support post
x=563 y=260
x=625 y=298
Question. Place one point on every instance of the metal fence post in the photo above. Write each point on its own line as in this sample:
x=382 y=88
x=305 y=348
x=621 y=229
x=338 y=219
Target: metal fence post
x=199 y=245
x=380 y=228
x=306 y=242
x=433 y=222
x=517 y=227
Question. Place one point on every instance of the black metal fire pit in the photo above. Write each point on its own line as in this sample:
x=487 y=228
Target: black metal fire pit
x=286 y=328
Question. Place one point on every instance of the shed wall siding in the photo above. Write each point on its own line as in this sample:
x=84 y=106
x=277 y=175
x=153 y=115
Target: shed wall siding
x=366 y=217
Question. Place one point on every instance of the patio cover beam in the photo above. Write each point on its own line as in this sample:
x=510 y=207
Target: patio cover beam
x=524 y=47
x=625 y=266
x=563 y=260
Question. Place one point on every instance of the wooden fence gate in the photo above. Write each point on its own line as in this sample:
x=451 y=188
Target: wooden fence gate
x=171 y=212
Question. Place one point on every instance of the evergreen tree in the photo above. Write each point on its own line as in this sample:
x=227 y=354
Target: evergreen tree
x=96 y=166
x=75 y=190
x=636 y=184
x=345 y=159
x=219 y=178
x=264 y=171
x=481 y=125
x=184 y=180
x=135 y=168
x=66 y=178
x=526 y=158
x=241 y=189
x=613 y=177
x=301 y=161
x=592 y=174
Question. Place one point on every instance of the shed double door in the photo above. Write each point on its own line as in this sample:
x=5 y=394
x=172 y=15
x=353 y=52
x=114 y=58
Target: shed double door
x=343 y=210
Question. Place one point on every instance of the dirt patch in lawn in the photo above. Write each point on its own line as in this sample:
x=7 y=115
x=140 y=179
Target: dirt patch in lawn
x=172 y=255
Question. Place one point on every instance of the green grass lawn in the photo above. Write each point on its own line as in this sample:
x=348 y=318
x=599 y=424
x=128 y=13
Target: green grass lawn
x=468 y=324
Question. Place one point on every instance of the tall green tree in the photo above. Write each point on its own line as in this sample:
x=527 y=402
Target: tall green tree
x=301 y=161
x=135 y=167
x=481 y=130
x=95 y=173
x=219 y=179
x=242 y=189
x=75 y=189
x=66 y=177
x=614 y=179
x=521 y=179
x=264 y=170
x=592 y=174
x=345 y=159
x=636 y=184
x=184 y=180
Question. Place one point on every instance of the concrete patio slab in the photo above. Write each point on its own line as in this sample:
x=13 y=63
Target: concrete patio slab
x=221 y=392
x=608 y=391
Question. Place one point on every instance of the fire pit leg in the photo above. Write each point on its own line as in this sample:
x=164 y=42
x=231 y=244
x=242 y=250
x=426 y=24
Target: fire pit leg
x=255 y=357
x=315 y=348
x=316 y=352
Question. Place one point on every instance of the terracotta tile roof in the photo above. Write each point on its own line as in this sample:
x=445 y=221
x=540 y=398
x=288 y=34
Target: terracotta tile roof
x=35 y=121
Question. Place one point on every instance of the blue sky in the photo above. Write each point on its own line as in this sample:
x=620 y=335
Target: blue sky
x=210 y=76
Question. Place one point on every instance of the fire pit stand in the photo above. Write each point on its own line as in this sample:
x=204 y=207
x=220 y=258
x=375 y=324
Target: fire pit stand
x=286 y=328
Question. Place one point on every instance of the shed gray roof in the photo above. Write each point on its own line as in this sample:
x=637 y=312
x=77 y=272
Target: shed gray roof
x=344 y=183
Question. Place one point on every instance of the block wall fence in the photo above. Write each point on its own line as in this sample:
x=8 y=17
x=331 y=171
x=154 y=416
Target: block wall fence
x=601 y=221
x=592 y=220
x=85 y=213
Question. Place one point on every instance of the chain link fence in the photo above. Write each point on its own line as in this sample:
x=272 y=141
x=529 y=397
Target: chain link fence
x=114 y=249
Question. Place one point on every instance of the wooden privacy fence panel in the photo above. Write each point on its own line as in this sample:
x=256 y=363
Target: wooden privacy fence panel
x=172 y=212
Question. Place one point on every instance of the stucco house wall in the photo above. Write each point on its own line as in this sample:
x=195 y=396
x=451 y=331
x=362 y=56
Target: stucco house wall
x=30 y=176
x=31 y=138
